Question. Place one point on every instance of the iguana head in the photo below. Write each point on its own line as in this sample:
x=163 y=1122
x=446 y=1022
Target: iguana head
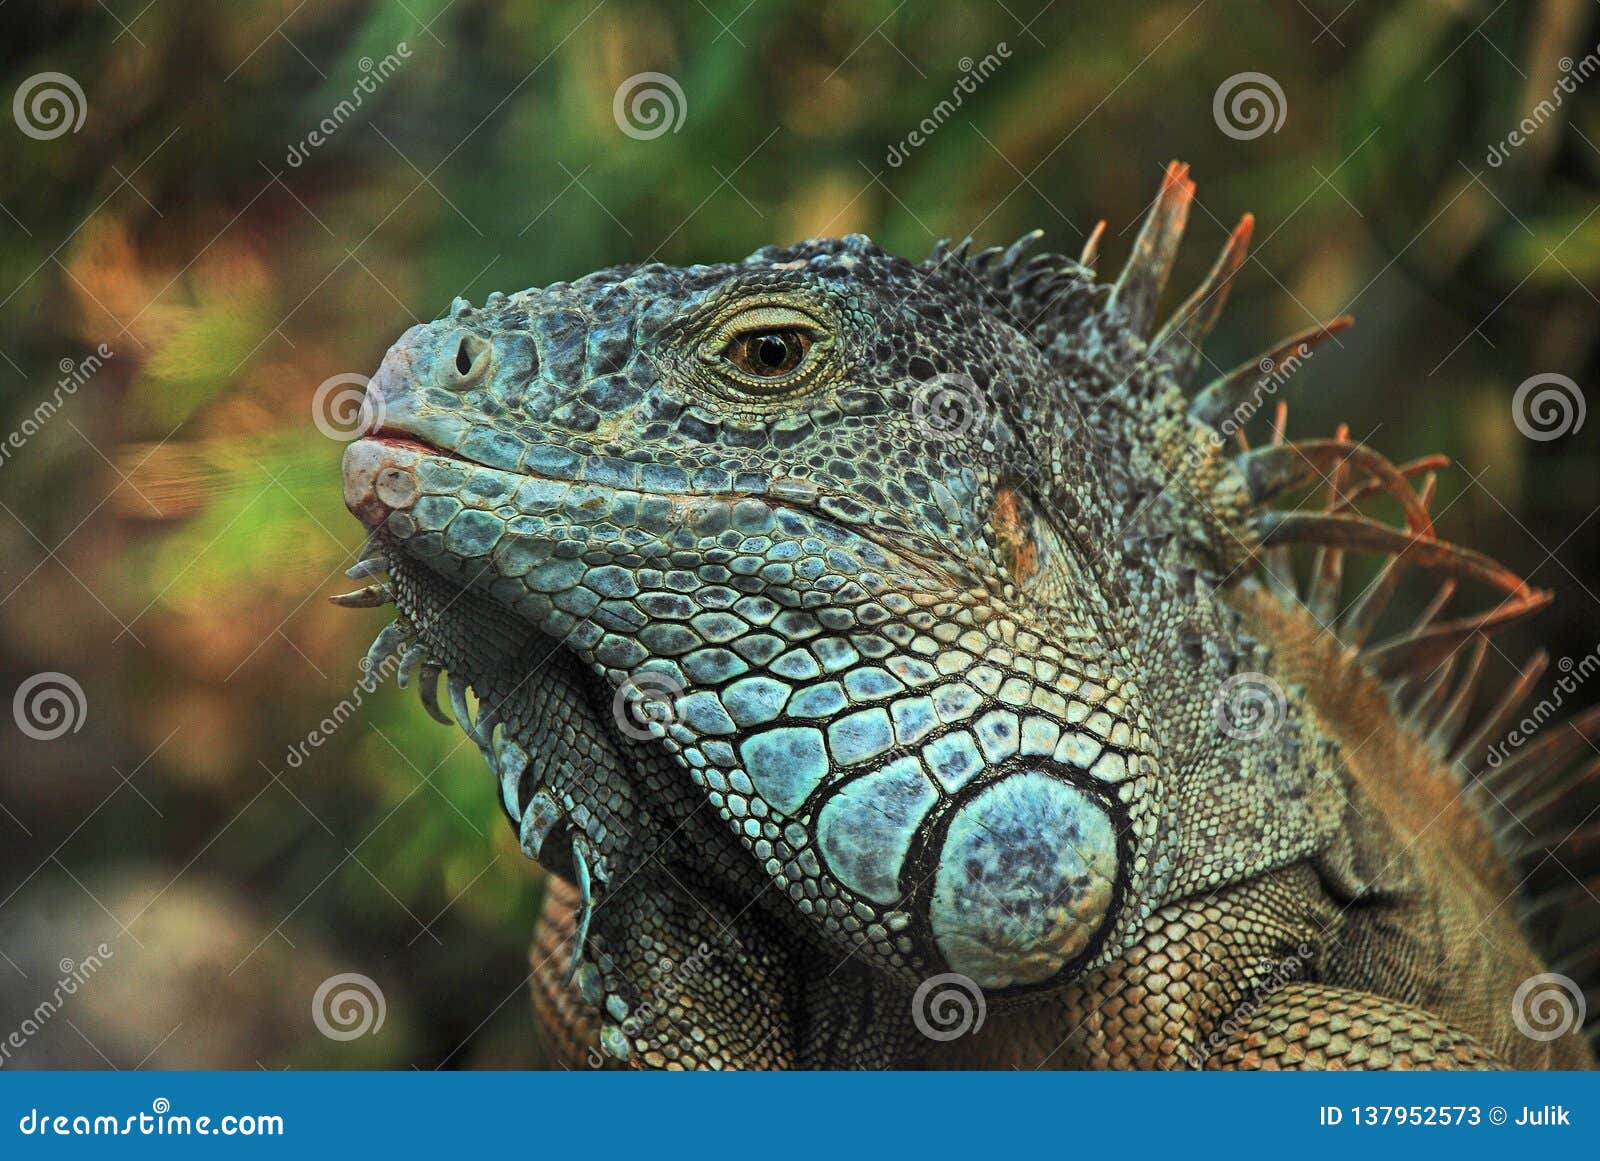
x=789 y=508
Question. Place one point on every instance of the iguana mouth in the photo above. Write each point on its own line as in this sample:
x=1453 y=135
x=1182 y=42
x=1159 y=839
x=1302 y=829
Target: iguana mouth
x=384 y=479
x=707 y=495
x=393 y=438
x=717 y=485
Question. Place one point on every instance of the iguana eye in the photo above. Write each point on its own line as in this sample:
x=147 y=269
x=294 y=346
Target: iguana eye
x=767 y=350
x=768 y=354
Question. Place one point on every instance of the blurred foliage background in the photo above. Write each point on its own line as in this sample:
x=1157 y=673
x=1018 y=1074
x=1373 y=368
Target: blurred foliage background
x=170 y=532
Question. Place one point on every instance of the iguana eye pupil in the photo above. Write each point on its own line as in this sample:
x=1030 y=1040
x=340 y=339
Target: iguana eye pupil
x=772 y=351
x=769 y=354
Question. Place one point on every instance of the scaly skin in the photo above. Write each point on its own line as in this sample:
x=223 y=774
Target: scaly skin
x=836 y=623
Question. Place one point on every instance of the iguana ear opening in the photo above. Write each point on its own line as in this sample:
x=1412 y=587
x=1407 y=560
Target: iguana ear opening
x=1015 y=527
x=1031 y=548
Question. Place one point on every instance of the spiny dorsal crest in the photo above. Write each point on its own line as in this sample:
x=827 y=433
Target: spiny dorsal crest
x=1057 y=300
x=1432 y=666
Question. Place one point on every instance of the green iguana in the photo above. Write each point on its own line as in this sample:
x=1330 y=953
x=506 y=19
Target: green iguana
x=875 y=652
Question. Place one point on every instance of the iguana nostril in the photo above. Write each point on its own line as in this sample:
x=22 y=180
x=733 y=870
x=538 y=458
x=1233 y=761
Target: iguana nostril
x=471 y=352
